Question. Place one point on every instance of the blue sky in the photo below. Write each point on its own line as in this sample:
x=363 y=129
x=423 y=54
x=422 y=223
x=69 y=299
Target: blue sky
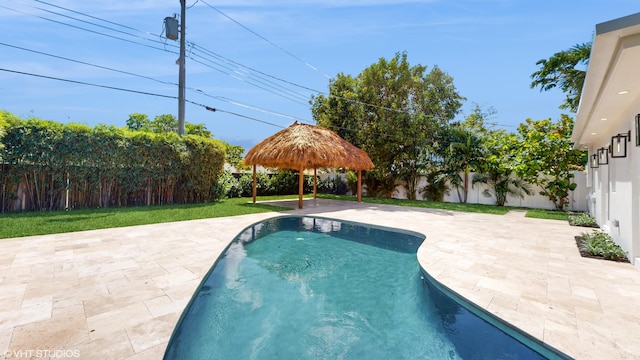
x=265 y=58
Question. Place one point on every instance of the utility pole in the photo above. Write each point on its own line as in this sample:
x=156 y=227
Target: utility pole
x=181 y=74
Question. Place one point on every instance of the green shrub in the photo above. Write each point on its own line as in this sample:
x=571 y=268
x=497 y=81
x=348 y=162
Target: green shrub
x=582 y=219
x=333 y=185
x=78 y=166
x=599 y=243
x=352 y=181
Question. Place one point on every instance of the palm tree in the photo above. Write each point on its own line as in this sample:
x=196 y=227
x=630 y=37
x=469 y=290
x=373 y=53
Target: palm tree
x=463 y=154
x=560 y=71
x=503 y=182
x=437 y=186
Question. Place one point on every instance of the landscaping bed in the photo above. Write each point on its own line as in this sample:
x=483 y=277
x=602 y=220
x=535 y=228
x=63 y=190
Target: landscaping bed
x=596 y=244
x=599 y=245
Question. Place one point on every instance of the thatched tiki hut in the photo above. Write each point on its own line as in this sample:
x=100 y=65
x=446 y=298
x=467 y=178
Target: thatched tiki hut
x=302 y=146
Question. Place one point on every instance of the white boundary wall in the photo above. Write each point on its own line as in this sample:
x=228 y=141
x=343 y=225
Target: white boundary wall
x=578 y=198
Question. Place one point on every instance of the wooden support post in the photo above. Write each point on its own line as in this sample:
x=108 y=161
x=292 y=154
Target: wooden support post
x=300 y=188
x=315 y=185
x=255 y=184
x=359 y=185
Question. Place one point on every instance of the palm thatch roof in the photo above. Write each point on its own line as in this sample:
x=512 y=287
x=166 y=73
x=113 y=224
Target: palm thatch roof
x=302 y=146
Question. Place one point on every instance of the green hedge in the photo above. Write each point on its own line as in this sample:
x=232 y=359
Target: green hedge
x=282 y=182
x=45 y=164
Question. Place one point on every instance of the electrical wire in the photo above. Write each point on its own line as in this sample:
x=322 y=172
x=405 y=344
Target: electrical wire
x=213 y=58
x=285 y=93
x=139 y=92
x=266 y=88
x=199 y=91
x=302 y=100
x=206 y=107
x=267 y=40
x=91 y=31
x=89 y=16
x=88 y=84
x=87 y=64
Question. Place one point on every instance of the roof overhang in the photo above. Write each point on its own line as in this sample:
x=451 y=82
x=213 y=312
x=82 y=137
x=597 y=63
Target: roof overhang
x=612 y=84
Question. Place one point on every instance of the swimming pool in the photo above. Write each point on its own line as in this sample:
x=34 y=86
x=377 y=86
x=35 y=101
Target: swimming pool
x=313 y=288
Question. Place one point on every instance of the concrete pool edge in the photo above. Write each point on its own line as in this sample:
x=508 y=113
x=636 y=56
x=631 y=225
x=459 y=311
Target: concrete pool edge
x=512 y=331
x=520 y=335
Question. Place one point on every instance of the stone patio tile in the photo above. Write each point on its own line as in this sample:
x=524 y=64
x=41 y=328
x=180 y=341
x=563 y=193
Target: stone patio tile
x=115 y=345
x=164 y=305
x=145 y=271
x=175 y=276
x=122 y=317
x=134 y=294
x=5 y=340
x=153 y=332
x=11 y=296
x=500 y=286
x=131 y=284
x=183 y=291
x=154 y=353
x=62 y=331
x=31 y=311
x=102 y=267
x=504 y=301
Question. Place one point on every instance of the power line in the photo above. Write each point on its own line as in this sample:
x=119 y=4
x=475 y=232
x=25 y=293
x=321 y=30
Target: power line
x=266 y=84
x=261 y=83
x=250 y=69
x=70 y=17
x=90 y=16
x=257 y=83
x=219 y=98
x=254 y=70
x=263 y=87
x=139 y=92
x=88 y=84
x=213 y=109
x=86 y=63
x=267 y=40
x=92 y=31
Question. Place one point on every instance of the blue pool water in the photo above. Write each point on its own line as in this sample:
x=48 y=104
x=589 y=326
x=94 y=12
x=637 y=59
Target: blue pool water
x=312 y=288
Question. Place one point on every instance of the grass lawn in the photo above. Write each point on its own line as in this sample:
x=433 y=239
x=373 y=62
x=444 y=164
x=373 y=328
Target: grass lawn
x=548 y=214
x=478 y=208
x=54 y=222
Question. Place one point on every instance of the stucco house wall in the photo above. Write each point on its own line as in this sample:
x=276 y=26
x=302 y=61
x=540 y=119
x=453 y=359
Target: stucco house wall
x=610 y=110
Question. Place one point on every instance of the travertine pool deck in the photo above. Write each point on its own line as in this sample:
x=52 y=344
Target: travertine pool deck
x=118 y=293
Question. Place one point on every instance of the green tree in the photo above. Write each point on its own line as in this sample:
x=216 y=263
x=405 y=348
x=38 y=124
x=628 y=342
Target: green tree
x=197 y=129
x=395 y=112
x=565 y=70
x=3 y=123
x=545 y=156
x=497 y=170
x=234 y=155
x=464 y=155
x=164 y=123
x=139 y=122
